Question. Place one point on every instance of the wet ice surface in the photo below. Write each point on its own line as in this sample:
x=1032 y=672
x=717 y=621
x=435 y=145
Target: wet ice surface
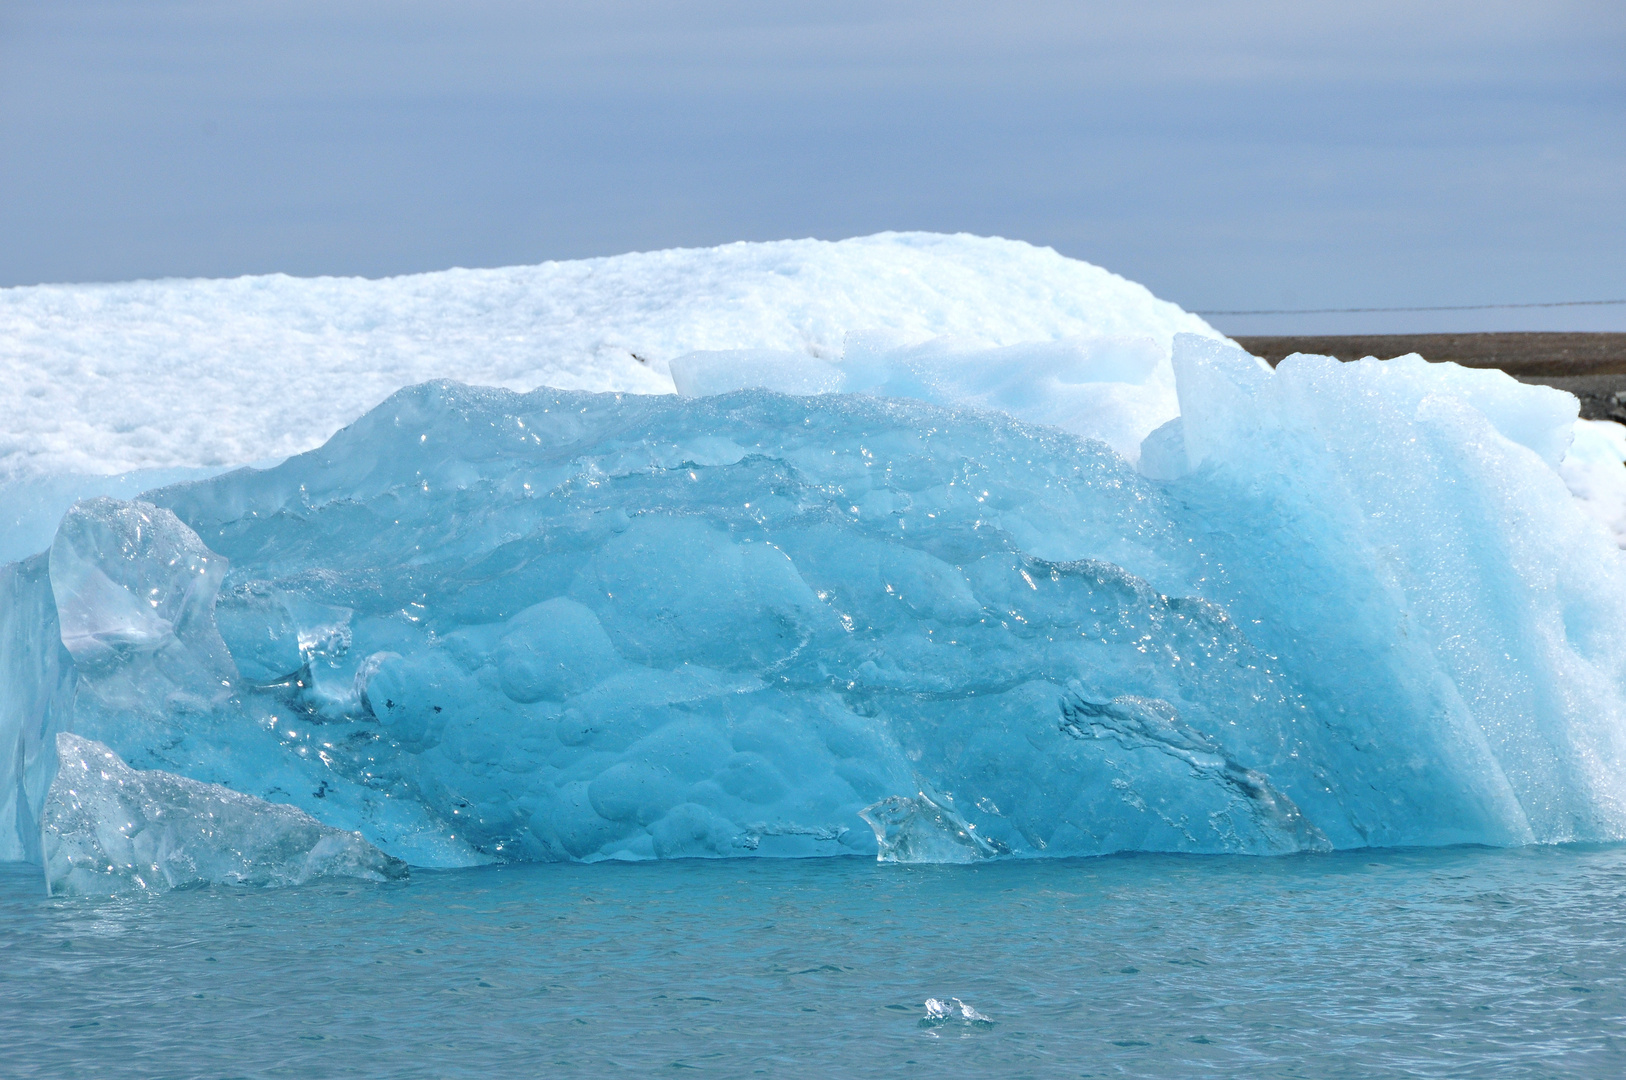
x=108 y=828
x=950 y=1012
x=1350 y=608
x=1453 y=962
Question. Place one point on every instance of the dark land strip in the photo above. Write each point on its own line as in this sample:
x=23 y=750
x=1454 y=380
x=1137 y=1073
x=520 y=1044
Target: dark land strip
x=1592 y=366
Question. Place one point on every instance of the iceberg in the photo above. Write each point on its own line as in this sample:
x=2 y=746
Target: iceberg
x=1333 y=605
x=109 y=829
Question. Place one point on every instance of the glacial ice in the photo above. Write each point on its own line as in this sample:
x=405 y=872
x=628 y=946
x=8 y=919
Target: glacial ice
x=210 y=375
x=161 y=381
x=1119 y=389
x=1113 y=388
x=923 y=829
x=940 y=1012
x=1335 y=605
x=109 y=829
x=32 y=503
x=1595 y=472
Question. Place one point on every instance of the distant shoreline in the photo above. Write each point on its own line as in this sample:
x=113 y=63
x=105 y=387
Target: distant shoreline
x=1592 y=366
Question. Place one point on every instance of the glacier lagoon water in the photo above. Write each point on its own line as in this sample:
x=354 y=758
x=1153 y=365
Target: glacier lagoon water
x=1465 y=962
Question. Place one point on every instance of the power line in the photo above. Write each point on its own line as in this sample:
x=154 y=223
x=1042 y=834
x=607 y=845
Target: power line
x=1447 y=307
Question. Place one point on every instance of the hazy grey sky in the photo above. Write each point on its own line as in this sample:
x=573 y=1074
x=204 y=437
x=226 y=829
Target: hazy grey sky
x=1237 y=155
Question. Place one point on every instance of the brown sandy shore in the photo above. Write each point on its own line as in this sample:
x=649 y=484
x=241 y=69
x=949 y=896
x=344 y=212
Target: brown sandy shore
x=1592 y=366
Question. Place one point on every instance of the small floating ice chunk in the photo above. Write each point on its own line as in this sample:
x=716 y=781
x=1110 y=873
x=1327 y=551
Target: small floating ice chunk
x=940 y=1012
x=923 y=829
x=1592 y=471
x=108 y=828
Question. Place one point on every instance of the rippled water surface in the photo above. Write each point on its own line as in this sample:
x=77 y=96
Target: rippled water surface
x=1462 y=962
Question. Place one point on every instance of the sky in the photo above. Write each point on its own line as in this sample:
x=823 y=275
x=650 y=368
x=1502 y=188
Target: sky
x=1230 y=156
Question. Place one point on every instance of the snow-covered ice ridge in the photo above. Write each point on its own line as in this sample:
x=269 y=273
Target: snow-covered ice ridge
x=938 y=579
x=171 y=379
x=164 y=374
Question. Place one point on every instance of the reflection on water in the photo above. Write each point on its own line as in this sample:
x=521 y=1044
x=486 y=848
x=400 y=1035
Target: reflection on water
x=1459 y=962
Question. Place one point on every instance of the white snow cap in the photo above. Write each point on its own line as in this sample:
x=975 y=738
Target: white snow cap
x=102 y=379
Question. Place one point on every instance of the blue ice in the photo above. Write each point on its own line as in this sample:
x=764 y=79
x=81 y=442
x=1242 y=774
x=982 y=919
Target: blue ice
x=1336 y=605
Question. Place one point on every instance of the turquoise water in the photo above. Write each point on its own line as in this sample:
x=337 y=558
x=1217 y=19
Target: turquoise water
x=1459 y=962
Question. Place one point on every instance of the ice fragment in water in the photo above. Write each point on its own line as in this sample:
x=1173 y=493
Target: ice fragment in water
x=109 y=828
x=939 y=1012
x=923 y=829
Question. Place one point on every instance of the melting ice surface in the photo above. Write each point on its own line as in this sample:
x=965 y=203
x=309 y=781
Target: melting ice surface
x=108 y=828
x=1336 y=605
